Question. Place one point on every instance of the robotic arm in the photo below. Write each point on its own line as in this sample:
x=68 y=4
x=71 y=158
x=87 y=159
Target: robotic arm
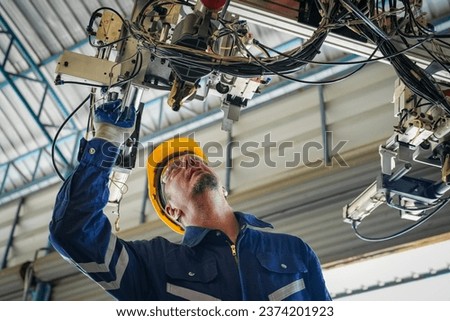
x=421 y=136
x=172 y=46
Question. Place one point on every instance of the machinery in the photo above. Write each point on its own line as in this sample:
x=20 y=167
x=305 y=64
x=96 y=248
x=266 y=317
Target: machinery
x=179 y=46
x=421 y=137
x=174 y=46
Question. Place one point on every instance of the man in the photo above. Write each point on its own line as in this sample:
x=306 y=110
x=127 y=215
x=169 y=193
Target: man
x=221 y=257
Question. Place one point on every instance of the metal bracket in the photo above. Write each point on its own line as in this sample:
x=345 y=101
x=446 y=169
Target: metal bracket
x=231 y=107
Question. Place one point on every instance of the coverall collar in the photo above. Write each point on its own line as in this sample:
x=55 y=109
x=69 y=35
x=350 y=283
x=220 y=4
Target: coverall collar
x=195 y=234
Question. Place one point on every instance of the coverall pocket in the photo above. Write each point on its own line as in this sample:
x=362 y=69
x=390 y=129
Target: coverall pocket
x=190 y=279
x=202 y=272
x=284 y=277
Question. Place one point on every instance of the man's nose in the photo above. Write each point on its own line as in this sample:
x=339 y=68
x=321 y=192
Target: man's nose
x=189 y=160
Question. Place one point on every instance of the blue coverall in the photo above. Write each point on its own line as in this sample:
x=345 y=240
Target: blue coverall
x=205 y=266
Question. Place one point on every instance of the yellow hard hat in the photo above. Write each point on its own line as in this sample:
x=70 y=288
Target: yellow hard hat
x=156 y=163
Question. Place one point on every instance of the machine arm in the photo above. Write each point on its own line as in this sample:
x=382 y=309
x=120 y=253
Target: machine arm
x=422 y=137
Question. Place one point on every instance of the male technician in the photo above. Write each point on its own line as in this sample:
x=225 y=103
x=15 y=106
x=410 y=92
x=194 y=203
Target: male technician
x=224 y=254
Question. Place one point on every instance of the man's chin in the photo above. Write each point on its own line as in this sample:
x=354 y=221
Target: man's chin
x=206 y=181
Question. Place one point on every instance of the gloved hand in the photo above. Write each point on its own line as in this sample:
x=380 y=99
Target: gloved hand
x=112 y=124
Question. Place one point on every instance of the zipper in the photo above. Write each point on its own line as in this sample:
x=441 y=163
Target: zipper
x=233 y=249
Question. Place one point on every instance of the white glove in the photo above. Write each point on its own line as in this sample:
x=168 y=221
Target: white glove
x=112 y=124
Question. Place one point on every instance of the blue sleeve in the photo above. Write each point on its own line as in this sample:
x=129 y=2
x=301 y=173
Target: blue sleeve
x=81 y=232
x=316 y=280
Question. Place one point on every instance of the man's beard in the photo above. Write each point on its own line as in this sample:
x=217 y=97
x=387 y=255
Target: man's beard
x=205 y=182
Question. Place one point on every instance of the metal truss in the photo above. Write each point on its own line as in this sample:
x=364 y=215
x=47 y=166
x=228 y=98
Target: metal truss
x=35 y=75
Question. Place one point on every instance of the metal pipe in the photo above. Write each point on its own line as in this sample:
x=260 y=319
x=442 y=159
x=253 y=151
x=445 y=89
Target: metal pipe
x=401 y=172
x=440 y=189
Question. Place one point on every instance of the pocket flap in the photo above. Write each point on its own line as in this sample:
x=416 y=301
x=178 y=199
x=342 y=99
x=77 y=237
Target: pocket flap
x=282 y=263
x=180 y=267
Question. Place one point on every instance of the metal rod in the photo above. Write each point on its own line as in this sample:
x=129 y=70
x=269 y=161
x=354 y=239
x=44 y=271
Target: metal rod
x=17 y=168
x=41 y=106
x=2 y=187
x=224 y=9
x=11 y=234
x=401 y=172
x=323 y=121
x=36 y=166
x=144 y=202
x=229 y=161
x=161 y=113
x=8 y=50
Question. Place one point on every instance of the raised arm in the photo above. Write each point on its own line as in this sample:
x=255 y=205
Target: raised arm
x=79 y=229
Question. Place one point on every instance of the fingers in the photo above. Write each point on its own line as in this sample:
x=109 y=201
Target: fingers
x=110 y=106
x=126 y=115
x=112 y=113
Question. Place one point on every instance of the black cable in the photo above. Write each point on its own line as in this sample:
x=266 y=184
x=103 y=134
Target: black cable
x=439 y=36
x=402 y=232
x=415 y=78
x=283 y=65
x=349 y=62
x=108 y=44
x=432 y=55
x=59 y=131
x=419 y=26
x=276 y=65
x=398 y=29
x=264 y=50
x=134 y=72
x=241 y=69
x=95 y=15
x=367 y=21
x=305 y=81
x=425 y=37
x=447 y=44
x=323 y=82
x=63 y=82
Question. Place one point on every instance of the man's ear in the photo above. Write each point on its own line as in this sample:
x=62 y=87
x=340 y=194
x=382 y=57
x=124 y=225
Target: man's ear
x=224 y=191
x=174 y=213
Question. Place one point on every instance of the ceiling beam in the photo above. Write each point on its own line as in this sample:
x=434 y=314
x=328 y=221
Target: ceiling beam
x=33 y=66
